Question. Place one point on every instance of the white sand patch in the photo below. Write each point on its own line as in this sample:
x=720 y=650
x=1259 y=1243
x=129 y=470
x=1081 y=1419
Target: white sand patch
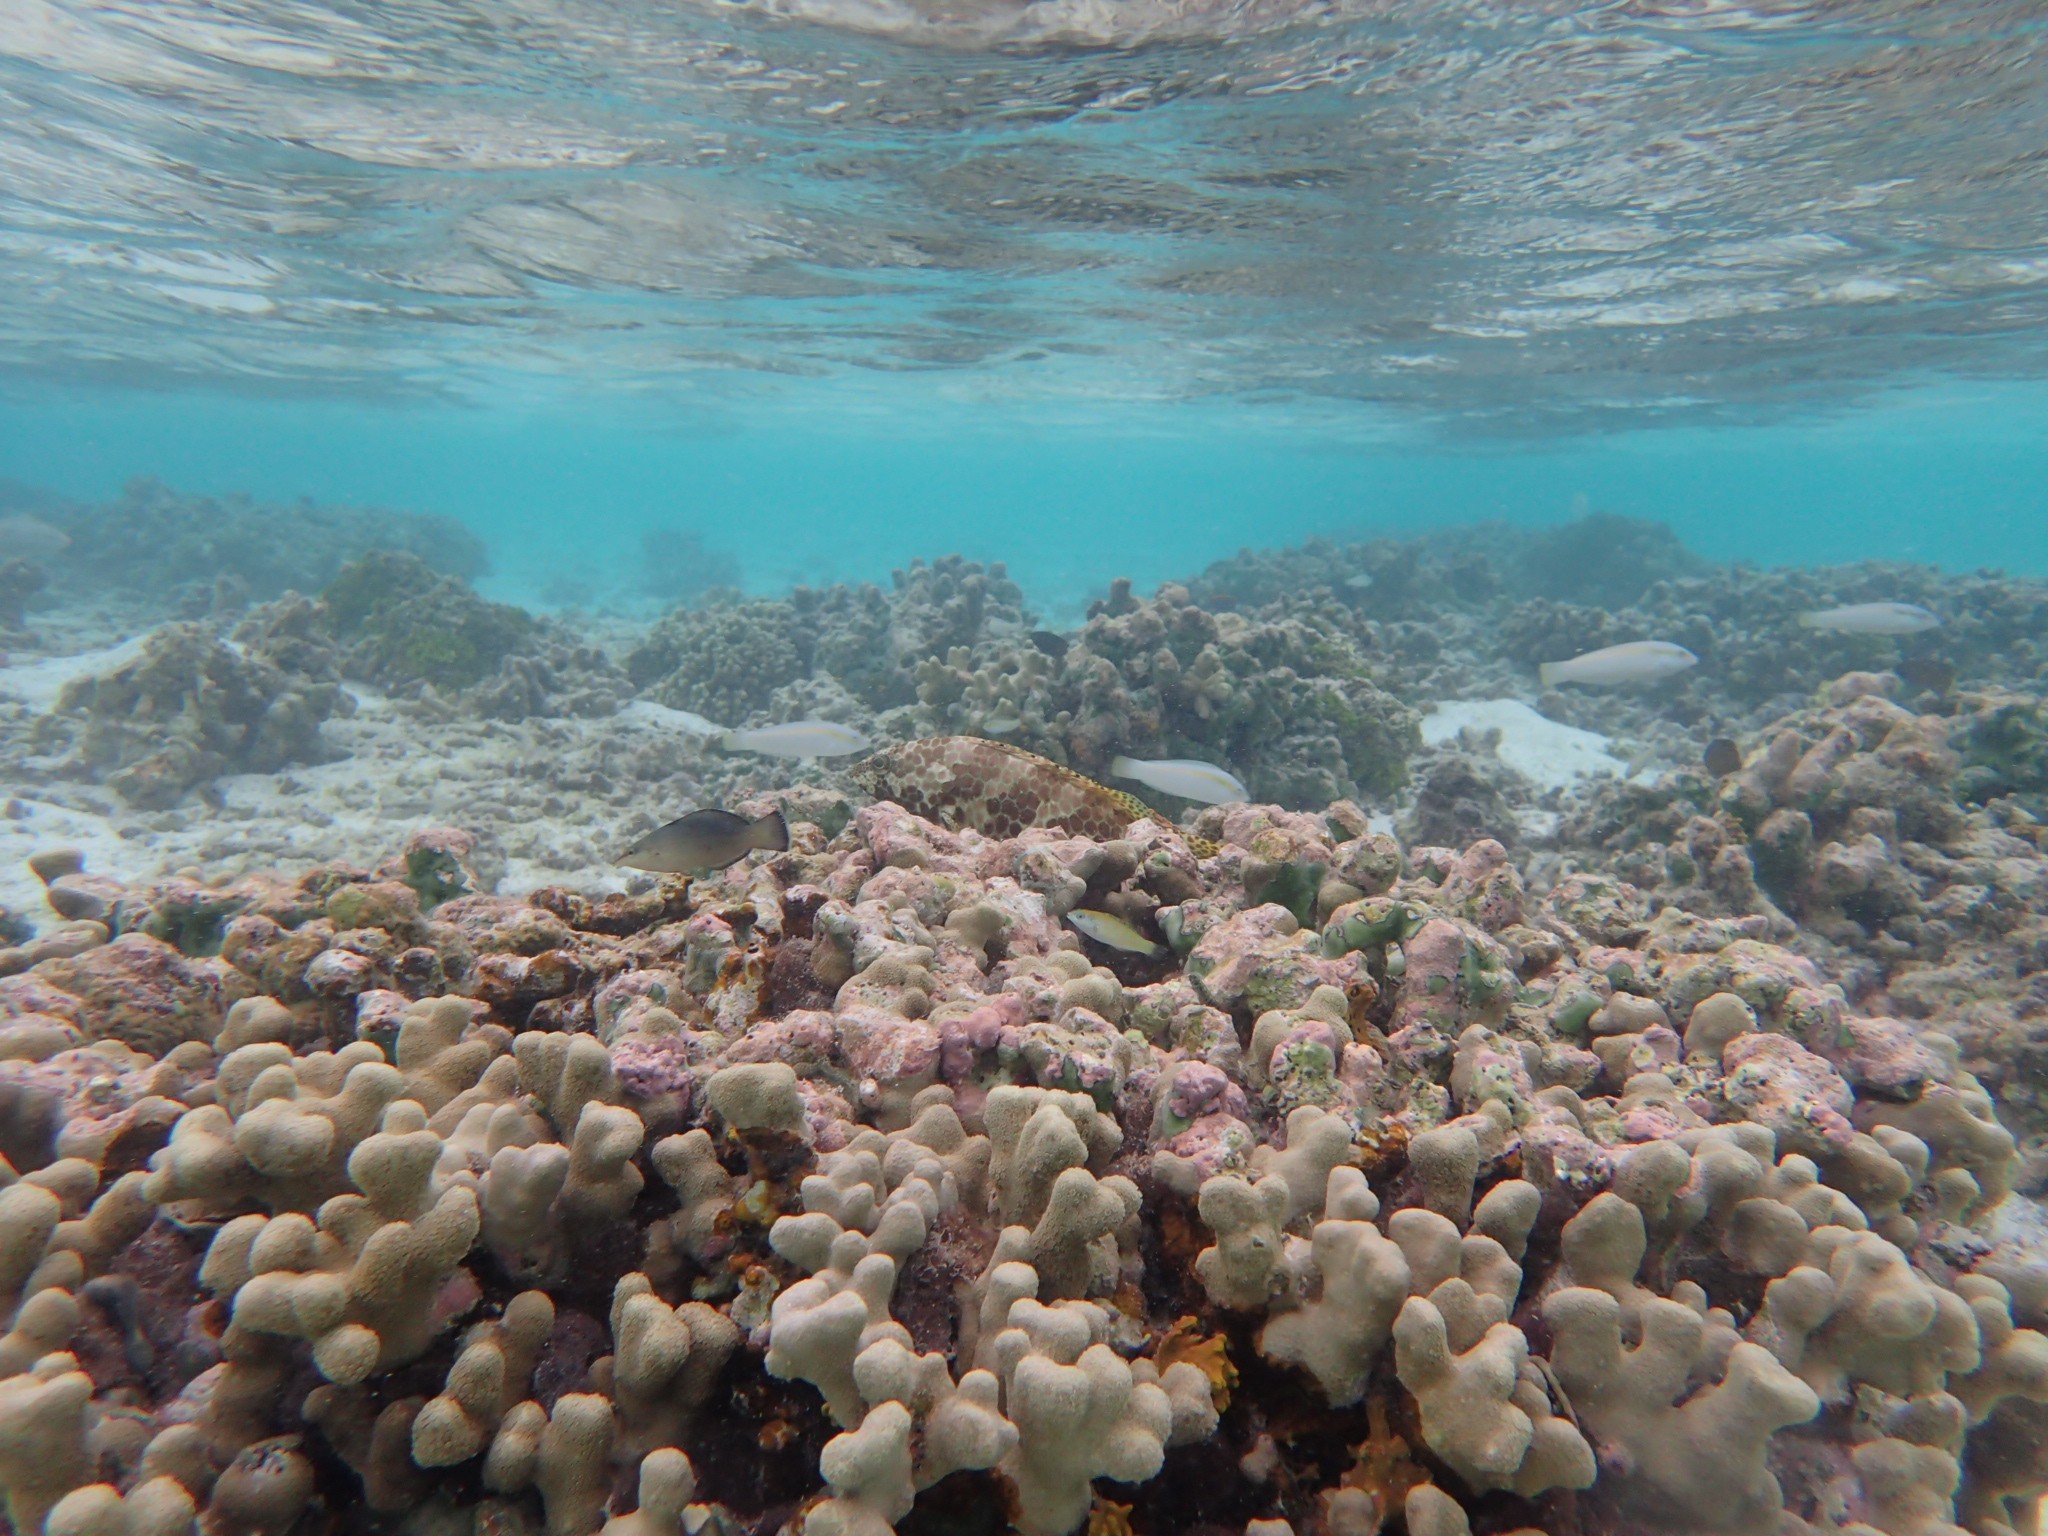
x=37 y=683
x=522 y=786
x=1547 y=754
x=552 y=799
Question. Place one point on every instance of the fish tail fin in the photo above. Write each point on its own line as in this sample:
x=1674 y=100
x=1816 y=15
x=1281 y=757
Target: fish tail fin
x=1546 y=673
x=770 y=832
x=1809 y=621
x=1120 y=767
x=728 y=741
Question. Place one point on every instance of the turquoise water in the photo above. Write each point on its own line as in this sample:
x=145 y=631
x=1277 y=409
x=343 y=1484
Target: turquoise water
x=1096 y=289
x=331 y=330
x=1952 y=475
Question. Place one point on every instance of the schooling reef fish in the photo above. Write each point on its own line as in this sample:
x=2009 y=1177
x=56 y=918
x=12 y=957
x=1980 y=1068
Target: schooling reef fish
x=1182 y=776
x=1112 y=932
x=991 y=787
x=705 y=840
x=1639 y=661
x=1871 y=619
x=798 y=738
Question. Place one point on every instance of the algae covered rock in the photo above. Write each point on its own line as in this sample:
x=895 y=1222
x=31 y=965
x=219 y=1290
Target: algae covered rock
x=1286 y=700
x=1263 y=959
x=2003 y=741
x=143 y=993
x=723 y=661
x=192 y=707
x=400 y=621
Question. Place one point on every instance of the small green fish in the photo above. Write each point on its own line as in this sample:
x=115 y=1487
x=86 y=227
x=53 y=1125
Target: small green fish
x=1112 y=932
x=704 y=841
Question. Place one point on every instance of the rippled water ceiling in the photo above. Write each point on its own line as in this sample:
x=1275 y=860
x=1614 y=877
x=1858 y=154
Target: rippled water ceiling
x=1687 y=207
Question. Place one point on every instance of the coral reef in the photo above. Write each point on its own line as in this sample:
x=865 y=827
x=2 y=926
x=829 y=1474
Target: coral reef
x=1470 y=613
x=400 y=621
x=196 y=704
x=152 y=541
x=1855 y=832
x=193 y=706
x=1598 y=559
x=728 y=659
x=1648 y=1157
x=848 y=1191
x=1287 y=700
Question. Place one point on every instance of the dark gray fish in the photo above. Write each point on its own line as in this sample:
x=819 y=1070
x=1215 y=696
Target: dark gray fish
x=704 y=841
x=1722 y=757
x=1053 y=645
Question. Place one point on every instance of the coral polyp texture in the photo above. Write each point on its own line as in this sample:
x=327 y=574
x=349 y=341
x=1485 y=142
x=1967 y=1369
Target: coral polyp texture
x=850 y=1191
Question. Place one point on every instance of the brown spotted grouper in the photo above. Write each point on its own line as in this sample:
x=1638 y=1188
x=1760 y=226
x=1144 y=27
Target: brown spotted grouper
x=991 y=787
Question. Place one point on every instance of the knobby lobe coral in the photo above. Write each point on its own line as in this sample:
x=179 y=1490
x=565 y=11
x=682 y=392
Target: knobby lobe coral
x=1286 y=698
x=1867 y=834
x=729 y=659
x=848 y=1192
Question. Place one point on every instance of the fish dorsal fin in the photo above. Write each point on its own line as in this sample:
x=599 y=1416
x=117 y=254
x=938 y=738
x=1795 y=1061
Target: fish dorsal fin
x=1071 y=775
x=1201 y=847
x=874 y=775
x=1010 y=749
x=1131 y=803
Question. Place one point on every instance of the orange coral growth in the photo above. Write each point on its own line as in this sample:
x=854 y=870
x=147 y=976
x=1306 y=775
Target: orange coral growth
x=1382 y=1147
x=1383 y=1468
x=1210 y=1352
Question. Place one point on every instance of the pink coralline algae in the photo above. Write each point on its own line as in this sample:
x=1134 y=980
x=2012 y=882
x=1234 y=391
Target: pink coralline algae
x=1773 y=1081
x=852 y=1190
